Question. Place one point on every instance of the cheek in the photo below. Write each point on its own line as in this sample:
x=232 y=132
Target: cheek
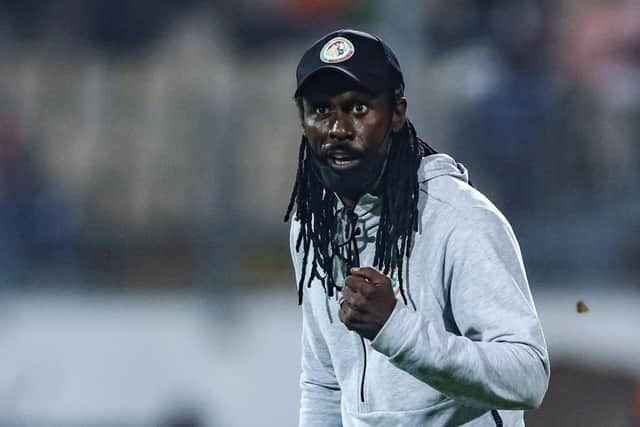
x=314 y=135
x=374 y=136
x=308 y=121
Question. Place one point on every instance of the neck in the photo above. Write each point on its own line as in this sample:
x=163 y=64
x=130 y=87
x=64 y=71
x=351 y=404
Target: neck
x=349 y=202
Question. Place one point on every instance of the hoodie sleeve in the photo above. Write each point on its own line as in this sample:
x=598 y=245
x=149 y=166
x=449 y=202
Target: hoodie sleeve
x=320 y=391
x=499 y=358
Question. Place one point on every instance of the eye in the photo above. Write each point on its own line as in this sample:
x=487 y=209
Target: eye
x=322 y=110
x=359 y=108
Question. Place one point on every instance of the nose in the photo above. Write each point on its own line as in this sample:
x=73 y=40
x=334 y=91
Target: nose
x=340 y=129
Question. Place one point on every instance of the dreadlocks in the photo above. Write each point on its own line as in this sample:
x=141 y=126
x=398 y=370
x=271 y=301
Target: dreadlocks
x=316 y=212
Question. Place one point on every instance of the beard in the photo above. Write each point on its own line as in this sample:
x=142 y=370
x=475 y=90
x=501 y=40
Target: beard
x=354 y=182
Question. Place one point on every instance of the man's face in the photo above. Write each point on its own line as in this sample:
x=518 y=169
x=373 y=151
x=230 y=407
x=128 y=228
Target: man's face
x=349 y=133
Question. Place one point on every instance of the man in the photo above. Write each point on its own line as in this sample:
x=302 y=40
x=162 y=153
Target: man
x=416 y=307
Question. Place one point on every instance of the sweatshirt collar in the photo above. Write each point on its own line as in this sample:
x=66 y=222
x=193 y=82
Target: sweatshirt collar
x=367 y=205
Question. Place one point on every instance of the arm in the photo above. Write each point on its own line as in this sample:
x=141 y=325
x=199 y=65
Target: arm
x=320 y=391
x=500 y=359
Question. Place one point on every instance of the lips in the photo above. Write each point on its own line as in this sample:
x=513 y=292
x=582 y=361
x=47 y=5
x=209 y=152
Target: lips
x=342 y=161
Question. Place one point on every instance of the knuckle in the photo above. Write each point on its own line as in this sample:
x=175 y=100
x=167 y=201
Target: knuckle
x=360 y=301
x=349 y=316
x=366 y=292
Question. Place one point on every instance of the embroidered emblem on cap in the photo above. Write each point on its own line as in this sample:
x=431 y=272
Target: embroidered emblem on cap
x=337 y=49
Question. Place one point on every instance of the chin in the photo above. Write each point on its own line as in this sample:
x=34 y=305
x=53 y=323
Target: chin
x=347 y=183
x=350 y=179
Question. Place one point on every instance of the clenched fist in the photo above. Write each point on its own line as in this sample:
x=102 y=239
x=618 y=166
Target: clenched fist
x=367 y=301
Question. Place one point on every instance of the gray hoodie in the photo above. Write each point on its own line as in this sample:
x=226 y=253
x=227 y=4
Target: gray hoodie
x=466 y=349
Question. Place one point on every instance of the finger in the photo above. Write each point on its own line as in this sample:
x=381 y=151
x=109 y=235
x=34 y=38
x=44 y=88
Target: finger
x=352 y=299
x=370 y=275
x=345 y=313
x=346 y=293
x=355 y=283
x=349 y=317
x=360 y=286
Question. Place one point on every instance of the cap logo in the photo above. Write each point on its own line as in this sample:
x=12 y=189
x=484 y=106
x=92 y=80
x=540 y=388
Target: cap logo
x=337 y=49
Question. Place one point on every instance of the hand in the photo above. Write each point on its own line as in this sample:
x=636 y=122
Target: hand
x=367 y=301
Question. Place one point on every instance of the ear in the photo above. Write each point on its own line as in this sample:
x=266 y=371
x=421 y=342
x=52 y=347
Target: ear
x=399 y=113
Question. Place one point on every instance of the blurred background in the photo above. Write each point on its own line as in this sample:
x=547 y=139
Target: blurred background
x=147 y=153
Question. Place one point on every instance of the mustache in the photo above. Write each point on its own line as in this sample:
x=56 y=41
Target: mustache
x=340 y=149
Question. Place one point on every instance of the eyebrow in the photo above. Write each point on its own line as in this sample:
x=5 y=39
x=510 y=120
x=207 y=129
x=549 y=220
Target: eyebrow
x=349 y=96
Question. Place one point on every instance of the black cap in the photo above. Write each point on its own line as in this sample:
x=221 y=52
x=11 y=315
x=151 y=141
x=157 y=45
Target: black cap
x=360 y=56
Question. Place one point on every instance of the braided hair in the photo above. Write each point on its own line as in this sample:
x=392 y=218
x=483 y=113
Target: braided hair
x=316 y=211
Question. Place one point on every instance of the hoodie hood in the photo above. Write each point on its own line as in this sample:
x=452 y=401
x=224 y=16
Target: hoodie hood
x=439 y=164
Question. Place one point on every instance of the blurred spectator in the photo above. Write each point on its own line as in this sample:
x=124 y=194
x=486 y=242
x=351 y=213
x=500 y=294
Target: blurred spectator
x=252 y=25
x=502 y=125
x=601 y=121
x=115 y=26
x=453 y=24
x=37 y=223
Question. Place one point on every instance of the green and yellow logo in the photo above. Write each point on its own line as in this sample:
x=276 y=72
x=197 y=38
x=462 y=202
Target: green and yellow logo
x=395 y=285
x=338 y=49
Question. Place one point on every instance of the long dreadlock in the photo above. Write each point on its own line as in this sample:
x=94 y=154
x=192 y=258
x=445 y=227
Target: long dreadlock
x=316 y=212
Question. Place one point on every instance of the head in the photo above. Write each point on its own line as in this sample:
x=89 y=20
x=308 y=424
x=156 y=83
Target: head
x=349 y=131
x=356 y=139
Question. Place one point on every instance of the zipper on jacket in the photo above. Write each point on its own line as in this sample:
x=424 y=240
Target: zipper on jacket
x=353 y=260
x=364 y=369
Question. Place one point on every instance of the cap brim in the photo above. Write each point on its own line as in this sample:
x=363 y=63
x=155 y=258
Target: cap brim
x=328 y=67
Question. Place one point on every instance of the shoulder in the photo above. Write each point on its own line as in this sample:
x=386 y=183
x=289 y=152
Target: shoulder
x=467 y=228
x=448 y=200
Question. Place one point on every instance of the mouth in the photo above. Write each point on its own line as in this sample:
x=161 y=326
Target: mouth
x=342 y=161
